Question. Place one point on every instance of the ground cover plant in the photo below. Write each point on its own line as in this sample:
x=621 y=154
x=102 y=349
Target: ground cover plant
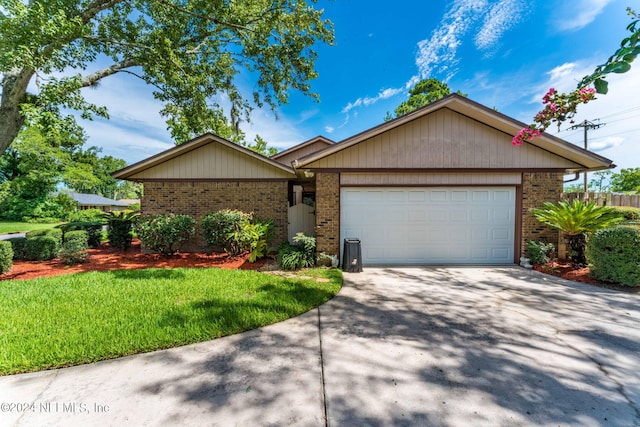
x=117 y=313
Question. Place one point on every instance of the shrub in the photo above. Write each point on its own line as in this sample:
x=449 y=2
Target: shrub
x=539 y=252
x=119 y=229
x=41 y=248
x=160 y=233
x=55 y=233
x=77 y=235
x=18 y=244
x=74 y=249
x=630 y=215
x=261 y=234
x=93 y=228
x=6 y=256
x=224 y=229
x=614 y=257
x=300 y=255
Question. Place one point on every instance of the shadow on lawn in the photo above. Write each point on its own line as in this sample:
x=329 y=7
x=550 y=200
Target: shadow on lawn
x=150 y=273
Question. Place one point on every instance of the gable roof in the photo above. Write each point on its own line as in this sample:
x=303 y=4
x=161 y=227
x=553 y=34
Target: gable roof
x=207 y=144
x=94 y=200
x=579 y=158
x=319 y=141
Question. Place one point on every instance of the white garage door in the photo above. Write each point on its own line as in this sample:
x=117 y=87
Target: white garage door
x=474 y=225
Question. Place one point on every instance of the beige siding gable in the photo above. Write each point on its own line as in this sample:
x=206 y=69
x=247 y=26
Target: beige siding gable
x=287 y=158
x=212 y=161
x=443 y=139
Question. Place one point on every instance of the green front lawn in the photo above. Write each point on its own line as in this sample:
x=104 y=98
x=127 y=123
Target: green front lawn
x=16 y=227
x=80 y=318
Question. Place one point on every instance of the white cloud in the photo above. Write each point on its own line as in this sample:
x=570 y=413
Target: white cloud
x=438 y=53
x=605 y=143
x=503 y=16
x=130 y=144
x=366 y=101
x=579 y=16
x=329 y=129
x=281 y=133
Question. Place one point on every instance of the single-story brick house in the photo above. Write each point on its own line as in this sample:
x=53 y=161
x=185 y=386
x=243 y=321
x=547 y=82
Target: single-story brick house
x=440 y=185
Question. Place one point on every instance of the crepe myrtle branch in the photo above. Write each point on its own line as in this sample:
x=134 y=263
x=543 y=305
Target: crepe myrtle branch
x=559 y=107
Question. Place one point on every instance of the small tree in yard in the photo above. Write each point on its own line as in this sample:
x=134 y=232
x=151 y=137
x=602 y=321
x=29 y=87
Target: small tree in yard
x=576 y=219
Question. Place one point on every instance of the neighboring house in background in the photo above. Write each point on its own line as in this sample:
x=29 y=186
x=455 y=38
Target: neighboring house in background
x=93 y=201
x=130 y=202
x=440 y=185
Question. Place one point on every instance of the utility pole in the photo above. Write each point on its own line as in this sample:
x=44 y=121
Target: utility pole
x=586 y=125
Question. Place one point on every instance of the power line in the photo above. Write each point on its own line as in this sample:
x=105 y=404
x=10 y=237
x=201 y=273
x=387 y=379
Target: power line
x=586 y=126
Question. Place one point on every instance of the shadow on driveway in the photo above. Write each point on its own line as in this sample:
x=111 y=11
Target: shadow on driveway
x=479 y=346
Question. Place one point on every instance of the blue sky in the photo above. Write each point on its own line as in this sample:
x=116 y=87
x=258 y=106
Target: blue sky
x=502 y=53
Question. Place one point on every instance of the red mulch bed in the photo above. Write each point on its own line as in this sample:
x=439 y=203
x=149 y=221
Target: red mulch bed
x=565 y=270
x=107 y=258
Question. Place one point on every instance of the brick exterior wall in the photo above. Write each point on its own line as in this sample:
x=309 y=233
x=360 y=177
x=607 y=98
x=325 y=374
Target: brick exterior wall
x=538 y=188
x=328 y=213
x=266 y=199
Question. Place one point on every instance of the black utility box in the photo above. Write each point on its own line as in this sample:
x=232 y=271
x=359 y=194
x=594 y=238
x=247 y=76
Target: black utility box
x=352 y=256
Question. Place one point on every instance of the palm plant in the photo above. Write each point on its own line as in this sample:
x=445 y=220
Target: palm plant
x=576 y=219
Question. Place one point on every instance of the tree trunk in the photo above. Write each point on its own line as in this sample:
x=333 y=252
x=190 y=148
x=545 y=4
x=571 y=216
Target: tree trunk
x=14 y=91
x=577 y=244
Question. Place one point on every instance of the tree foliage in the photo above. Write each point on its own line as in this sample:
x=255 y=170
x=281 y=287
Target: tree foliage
x=34 y=166
x=424 y=92
x=190 y=51
x=627 y=180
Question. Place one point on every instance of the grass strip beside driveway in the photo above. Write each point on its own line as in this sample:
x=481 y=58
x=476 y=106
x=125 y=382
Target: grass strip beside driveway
x=81 y=318
x=17 y=227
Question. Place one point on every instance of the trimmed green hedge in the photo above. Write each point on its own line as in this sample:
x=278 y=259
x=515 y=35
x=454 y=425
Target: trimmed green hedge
x=41 y=248
x=630 y=214
x=55 y=233
x=93 y=228
x=18 y=244
x=614 y=256
x=74 y=247
x=6 y=256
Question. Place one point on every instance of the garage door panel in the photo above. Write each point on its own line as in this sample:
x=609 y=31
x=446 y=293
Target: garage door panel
x=432 y=225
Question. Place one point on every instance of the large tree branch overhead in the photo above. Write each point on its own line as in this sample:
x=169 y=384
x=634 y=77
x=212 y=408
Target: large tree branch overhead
x=190 y=51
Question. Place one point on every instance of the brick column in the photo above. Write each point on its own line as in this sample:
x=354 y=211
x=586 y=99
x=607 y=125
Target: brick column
x=328 y=213
x=538 y=188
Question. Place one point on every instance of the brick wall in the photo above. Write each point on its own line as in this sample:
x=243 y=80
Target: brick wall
x=328 y=213
x=538 y=188
x=266 y=199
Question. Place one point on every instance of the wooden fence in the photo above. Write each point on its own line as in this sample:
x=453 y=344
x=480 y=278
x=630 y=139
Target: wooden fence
x=606 y=199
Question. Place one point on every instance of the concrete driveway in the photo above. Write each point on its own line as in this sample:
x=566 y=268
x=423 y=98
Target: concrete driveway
x=398 y=346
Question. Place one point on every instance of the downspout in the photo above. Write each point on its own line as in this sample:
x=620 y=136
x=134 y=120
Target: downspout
x=575 y=178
